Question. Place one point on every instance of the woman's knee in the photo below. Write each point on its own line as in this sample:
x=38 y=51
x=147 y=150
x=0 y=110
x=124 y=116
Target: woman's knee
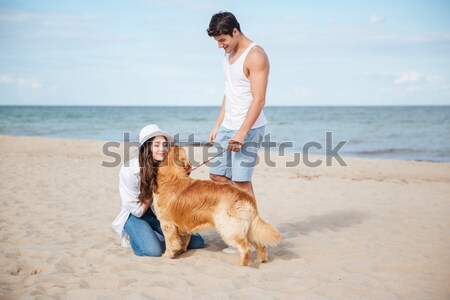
x=153 y=251
x=196 y=242
x=151 y=246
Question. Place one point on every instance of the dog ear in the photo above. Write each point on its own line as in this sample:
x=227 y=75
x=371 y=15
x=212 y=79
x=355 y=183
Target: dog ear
x=182 y=160
x=178 y=156
x=165 y=161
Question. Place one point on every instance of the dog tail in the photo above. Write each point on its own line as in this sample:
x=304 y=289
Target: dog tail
x=263 y=234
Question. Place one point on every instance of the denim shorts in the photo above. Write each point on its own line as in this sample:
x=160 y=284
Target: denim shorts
x=237 y=166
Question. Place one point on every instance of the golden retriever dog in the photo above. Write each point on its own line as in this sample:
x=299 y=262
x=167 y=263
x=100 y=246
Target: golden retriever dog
x=185 y=205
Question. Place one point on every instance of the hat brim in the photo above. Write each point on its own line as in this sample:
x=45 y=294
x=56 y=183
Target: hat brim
x=169 y=137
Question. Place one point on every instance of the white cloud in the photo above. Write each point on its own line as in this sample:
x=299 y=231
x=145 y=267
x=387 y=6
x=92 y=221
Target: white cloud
x=303 y=92
x=48 y=19
x=6 y=79
x=211 y=91
x=28 y=83
x=297 y=94
x=415 y=82
x=375 y=19
x=192 y=5
x=408 y=77
x=433 y=79
x=44 y=25
x=79 y=36
x=6 y=16
x=346 y=36
x=21 y=82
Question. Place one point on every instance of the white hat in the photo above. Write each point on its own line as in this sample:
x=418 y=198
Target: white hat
x=153 y=130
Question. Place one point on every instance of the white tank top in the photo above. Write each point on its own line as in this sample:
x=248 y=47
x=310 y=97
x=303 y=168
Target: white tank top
x=238 y=93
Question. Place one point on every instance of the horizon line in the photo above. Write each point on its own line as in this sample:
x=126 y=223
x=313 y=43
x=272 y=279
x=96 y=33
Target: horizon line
x=215 y=106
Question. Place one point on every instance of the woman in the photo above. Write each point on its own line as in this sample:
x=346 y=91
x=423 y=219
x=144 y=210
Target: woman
x=136 y=223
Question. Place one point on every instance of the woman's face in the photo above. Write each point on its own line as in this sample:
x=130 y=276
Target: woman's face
x=160 y=148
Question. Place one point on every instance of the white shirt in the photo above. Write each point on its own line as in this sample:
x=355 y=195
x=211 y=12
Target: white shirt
x=238 y=93
x=129 y=187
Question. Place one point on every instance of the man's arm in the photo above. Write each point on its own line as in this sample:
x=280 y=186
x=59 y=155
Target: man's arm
x=213 y=133
x=258 y=66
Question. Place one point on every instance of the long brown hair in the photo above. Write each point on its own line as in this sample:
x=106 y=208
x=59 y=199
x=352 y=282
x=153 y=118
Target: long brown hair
x=148 y=172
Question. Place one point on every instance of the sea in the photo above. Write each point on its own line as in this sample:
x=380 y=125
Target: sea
x=419 y=133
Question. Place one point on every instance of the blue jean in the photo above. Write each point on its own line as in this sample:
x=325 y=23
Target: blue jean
x=144 y=240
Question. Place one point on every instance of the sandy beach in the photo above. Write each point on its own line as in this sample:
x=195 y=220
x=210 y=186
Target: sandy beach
x=376 y=229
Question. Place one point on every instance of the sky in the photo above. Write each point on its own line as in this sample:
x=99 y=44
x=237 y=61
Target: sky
x=156 y=52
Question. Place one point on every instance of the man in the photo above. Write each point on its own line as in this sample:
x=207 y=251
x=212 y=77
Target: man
x=241 y=122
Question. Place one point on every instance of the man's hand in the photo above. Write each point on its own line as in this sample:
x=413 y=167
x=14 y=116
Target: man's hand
x=212 y=135
x=236 y=142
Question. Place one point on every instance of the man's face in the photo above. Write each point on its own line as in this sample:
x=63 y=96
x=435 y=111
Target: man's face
x=227 y=42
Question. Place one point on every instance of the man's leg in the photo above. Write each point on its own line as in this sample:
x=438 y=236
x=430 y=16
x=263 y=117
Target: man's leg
x=246 y=185
x=220 y=178
x=244 y=161
x=220 y=167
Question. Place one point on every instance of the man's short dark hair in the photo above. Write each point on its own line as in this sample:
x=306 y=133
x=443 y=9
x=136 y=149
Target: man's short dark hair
x=223 y=23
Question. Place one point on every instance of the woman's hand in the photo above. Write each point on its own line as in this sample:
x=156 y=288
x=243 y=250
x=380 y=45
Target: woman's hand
x=146 y=204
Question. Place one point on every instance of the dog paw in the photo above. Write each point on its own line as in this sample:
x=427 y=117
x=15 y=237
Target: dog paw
x=168 y=254
x=245 y=264
x=260 y=260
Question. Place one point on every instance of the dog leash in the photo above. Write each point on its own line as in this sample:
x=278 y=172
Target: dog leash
x=206 y=161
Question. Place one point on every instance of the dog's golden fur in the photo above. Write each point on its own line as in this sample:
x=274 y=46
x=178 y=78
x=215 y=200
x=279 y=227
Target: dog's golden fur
x=185 y=206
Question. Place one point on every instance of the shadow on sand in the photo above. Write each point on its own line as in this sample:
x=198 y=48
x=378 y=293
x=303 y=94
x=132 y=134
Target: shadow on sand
x=333 y=221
